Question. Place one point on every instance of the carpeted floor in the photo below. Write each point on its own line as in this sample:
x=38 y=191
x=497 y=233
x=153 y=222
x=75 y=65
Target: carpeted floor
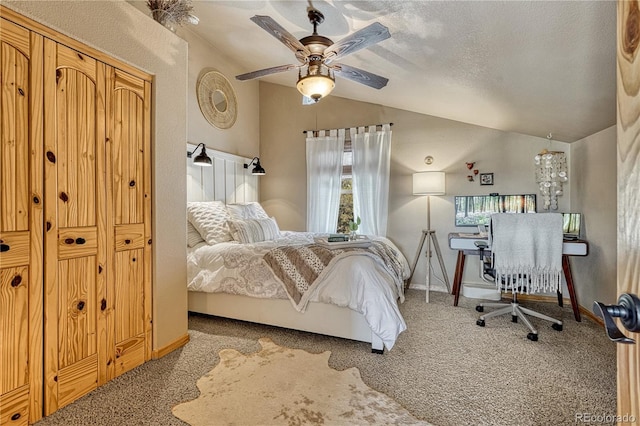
x=444 y=369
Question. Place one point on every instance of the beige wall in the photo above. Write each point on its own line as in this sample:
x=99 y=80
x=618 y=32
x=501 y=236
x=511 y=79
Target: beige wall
x=593 y=174
x=508 y=155
x=243 y=138
x=122 y=31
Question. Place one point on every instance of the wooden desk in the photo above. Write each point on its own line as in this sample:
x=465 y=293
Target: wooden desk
x=465 y=244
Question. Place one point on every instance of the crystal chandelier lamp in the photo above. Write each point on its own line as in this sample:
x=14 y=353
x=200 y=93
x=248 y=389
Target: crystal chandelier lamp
x=551 y=174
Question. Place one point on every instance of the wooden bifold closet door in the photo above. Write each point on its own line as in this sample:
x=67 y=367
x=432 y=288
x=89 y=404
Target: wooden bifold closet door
x=97 y=224
x=75 y=228
x=20 y=224
x=75 y=219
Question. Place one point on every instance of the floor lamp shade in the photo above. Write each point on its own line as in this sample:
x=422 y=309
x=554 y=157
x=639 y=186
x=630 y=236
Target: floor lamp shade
x=429 y=183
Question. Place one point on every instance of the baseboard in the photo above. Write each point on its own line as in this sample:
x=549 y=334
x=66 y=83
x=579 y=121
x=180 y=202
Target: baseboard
x=176 y=344
x=438 y=287
x=566 y=302
x=589 y=314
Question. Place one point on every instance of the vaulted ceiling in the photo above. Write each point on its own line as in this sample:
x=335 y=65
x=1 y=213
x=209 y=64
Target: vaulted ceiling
x=531 y=67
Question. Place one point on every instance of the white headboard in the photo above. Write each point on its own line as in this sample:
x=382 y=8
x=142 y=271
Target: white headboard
x=226 y=181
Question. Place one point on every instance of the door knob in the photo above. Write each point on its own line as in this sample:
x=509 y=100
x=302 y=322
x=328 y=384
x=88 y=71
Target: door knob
x=627 y=309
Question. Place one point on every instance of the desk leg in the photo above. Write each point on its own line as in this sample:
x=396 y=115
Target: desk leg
x=566 y=267
x=457 y=277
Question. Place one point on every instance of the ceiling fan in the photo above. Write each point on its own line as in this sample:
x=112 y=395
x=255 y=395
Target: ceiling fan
x=318 y=53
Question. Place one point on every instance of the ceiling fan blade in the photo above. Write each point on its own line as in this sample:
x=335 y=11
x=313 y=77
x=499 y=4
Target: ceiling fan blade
x=359 y=76
x=285 y=37
x=266 y=71
x=365 y=37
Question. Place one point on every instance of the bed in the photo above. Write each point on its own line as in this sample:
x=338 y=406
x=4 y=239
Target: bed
x=235 y=267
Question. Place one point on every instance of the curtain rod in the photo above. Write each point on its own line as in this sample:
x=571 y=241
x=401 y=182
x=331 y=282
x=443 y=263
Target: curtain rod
x=346 y=128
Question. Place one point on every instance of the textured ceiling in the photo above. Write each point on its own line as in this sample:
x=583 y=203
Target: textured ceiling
x=535 y=67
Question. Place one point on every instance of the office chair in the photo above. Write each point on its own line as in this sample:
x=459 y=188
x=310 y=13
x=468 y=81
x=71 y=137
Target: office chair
x=526 y=257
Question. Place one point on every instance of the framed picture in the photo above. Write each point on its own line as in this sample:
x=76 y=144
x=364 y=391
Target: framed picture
x=486 y=178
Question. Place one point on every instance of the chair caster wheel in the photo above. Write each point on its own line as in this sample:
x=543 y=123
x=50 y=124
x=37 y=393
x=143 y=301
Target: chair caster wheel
x=480 y=323
x=514 y=318
x=556 y=326
x=533 y=337
x=480 y=308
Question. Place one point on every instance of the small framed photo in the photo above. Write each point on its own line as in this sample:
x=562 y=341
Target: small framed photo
x=486 y=178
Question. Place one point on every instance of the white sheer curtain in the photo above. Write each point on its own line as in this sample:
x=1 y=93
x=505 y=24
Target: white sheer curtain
x=324 y=170
x=371 y=163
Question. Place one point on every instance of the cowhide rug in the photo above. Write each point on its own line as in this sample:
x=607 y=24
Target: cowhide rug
x=282 y=386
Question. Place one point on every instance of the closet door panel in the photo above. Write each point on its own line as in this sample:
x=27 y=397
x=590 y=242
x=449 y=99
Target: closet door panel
x=76 y=171
x=77 y=380
x=77 y=316
x=128 y=237
x=128 y=149
x=15 y=407
x=129 y=294
x=75 y=259
x=129 y=312
x=14 y=327
x=15 y=246
x=74 y=242
x=14 y=133
x=78 y=368
x=20 y=224
x=130 y=182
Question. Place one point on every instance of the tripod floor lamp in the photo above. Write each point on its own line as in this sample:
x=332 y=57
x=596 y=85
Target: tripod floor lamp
x=429 y=183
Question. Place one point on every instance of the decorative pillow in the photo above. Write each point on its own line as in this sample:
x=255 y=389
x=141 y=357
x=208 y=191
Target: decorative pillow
x=193 y=236
x=210 y=220
x=251 y=210
x=254 y=230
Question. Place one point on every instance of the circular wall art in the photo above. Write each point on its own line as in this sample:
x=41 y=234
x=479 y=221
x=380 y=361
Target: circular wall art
x=216 y=99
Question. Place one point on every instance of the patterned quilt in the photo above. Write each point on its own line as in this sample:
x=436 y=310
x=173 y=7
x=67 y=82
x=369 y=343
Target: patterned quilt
x=300 y=267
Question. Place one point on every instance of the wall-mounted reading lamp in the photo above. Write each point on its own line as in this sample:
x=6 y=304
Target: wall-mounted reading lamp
x=201 y=159
x=257 y=170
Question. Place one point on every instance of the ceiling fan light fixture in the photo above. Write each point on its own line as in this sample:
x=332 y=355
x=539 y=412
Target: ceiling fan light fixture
x=316 y=86
x=318 y=53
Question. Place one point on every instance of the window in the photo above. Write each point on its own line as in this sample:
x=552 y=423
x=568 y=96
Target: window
x=345 y=214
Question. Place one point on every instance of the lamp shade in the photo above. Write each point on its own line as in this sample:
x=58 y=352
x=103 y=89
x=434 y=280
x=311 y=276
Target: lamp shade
x=201 y=159
x=258 y=169
x=429 y=183
x=316 y=86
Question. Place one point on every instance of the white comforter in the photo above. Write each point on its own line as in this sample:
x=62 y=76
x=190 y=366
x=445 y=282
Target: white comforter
x=357 y=282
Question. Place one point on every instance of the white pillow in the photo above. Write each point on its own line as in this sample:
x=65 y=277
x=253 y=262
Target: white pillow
x=210 y=220
x=254 y=230
x=193 y=236
x=250 y=210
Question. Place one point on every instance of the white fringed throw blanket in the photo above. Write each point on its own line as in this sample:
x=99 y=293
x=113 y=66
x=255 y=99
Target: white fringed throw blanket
x=527 y=251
